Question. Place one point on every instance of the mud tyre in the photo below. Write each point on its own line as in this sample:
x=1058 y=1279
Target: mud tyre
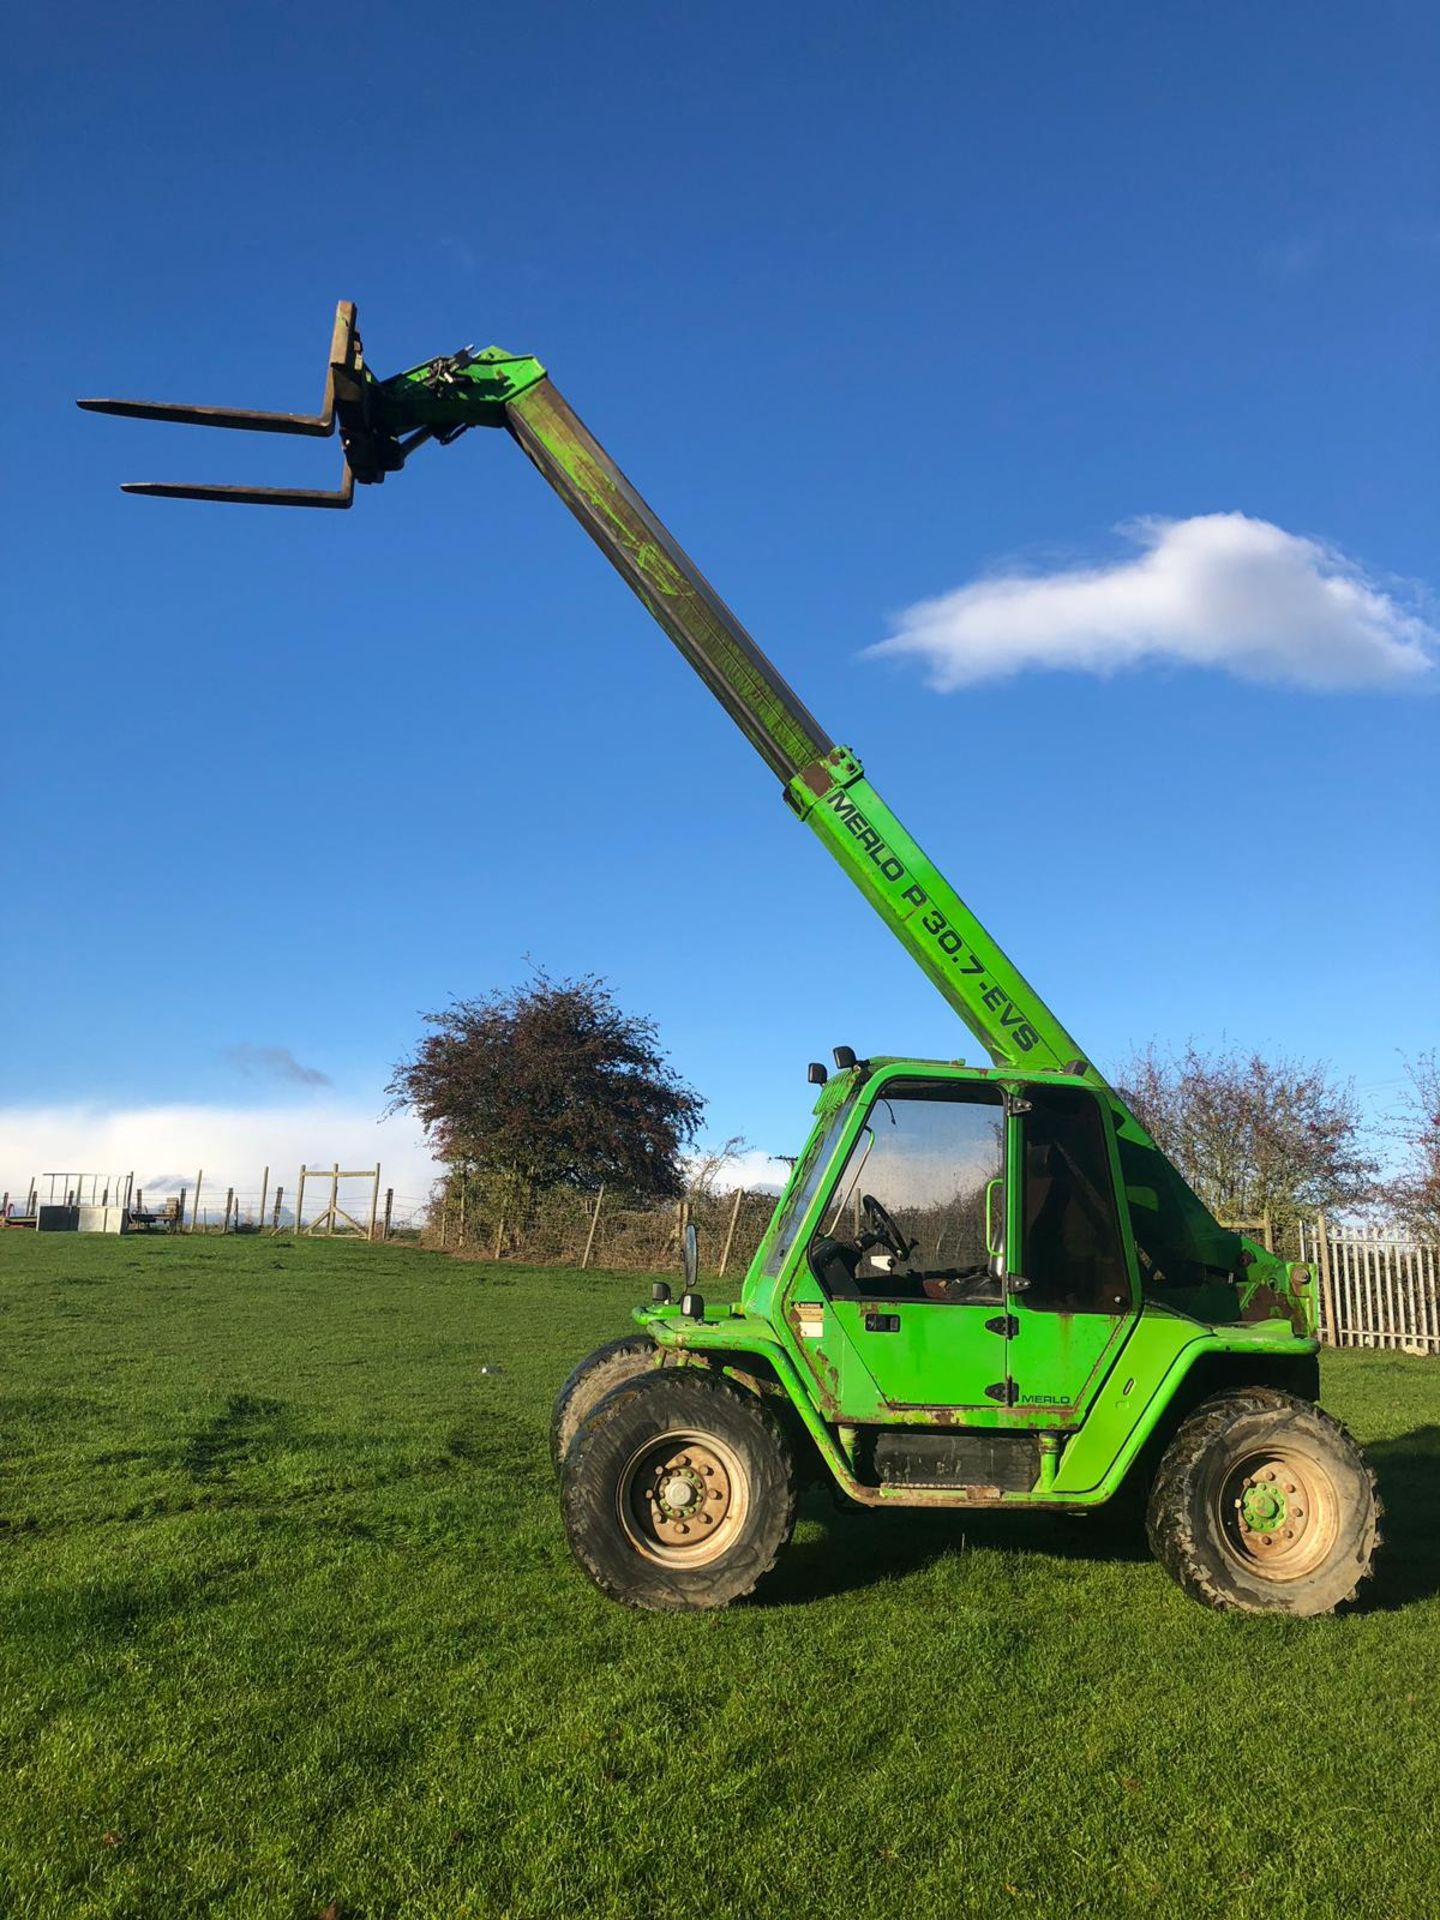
x=598 y=1373
x=1264 y=1504
x=678 y=1492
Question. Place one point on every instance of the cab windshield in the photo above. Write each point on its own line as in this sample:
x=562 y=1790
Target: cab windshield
x=804 y=1185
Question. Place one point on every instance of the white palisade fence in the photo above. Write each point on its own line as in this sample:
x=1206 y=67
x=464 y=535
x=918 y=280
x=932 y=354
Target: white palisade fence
x=1376 y=1288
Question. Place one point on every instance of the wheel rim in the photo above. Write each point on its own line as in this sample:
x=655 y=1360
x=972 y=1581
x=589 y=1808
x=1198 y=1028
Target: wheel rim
x=1279 y=1514
x=683 y=1498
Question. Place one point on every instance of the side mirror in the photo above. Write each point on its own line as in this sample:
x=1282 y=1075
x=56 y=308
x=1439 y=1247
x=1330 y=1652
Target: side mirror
x=690 y=1258
x=817 y=1074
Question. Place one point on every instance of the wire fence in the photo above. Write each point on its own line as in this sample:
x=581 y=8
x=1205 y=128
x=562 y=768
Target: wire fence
x=579 y=1230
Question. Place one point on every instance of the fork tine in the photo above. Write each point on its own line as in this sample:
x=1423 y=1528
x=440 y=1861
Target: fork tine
x=249 y=496
x=318 y=424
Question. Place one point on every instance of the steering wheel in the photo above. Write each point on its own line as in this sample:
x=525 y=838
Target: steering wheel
x=884 y=1228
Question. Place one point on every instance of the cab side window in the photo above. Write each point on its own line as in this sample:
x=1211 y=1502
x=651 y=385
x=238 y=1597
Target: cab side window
x=928 y=1153
x=1072 y=1255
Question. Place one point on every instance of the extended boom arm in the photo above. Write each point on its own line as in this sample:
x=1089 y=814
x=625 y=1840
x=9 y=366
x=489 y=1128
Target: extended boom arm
x=382 y=422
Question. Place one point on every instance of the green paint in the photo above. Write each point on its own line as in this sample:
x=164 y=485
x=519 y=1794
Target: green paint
x=929 y=918
x=456 y=391
x=1263 y=1508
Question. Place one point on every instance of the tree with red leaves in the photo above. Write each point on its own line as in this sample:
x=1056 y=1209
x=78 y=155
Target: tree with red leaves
x=551 y=1085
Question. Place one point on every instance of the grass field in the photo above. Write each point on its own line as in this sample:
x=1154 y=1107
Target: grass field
x=287 y=1618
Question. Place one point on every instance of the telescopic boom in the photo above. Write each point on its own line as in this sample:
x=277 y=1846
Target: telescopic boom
x=382 y=422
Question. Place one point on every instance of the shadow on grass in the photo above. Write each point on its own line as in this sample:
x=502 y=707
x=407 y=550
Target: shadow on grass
x=1408 y=1566
x=859 y=1548
x=247 y=1429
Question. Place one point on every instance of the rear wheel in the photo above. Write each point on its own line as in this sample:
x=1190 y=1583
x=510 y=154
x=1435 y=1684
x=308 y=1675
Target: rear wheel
x=598 y=1373
x=1264 y=1504
x=678 y=1491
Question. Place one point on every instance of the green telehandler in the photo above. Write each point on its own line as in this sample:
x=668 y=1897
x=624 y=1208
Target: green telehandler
x=983 y=1287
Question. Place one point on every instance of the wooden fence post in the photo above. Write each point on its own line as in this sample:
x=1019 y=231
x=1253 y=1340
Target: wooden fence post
x=229 y=1202
x=730 y=1233
x=460 y=1237
x=264 y=1196
x=275 y=1218
x=194 y=1204
x=389 y=1203
x=374 y=1202
x=594 y=1222
x=1327 y=1278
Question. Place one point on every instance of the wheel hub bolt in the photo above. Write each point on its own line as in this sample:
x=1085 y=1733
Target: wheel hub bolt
x=1299 y=1513
x=1289 y=1486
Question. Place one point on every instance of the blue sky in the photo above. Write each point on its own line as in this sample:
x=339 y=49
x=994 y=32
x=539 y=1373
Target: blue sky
x=874 y=304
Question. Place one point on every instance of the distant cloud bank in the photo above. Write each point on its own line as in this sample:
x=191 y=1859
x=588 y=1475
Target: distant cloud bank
x=1218 y=590
x=164 y=1146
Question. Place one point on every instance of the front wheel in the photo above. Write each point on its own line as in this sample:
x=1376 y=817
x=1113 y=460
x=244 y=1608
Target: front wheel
x=678 y=1491
x=1264 y=1504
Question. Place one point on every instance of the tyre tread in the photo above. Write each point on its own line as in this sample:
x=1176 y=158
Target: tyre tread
x=638 y=1345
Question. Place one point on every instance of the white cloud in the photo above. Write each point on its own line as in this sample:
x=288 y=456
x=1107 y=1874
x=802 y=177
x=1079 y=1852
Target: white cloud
x=1218 y=590
x=754 y=1170
x=165 y=1146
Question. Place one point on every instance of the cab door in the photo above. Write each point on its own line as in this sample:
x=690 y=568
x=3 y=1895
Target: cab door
x=925 y=1338
x=1072 y=1296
